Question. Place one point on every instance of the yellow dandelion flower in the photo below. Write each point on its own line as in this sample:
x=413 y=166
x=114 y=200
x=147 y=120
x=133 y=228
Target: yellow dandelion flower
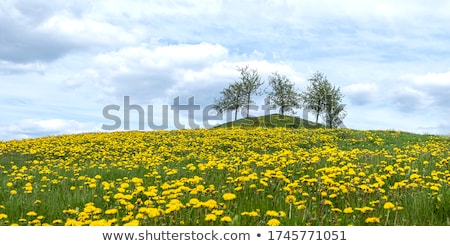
x=389 y=205
x=290 y=199
x=31 y=213
x=112 y=211
x=228 y=196
x=57 y=222
x=153 y=212
x=273 y=222
x=272 y=213
x=73 y=222
x=226 y=219
x=372 y=220
x=132 y=223
x=348 y=210
x=210 y=217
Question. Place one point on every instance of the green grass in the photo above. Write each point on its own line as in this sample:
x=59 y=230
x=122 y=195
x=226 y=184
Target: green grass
x=272 y=120
x=281 y=159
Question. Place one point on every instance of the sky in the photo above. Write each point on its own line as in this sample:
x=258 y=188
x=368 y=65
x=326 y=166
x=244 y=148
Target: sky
x=88 y=66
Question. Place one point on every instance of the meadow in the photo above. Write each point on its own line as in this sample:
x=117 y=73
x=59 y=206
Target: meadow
x=227 y=176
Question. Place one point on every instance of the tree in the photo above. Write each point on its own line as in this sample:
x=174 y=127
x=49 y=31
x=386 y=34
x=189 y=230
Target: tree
x=251 y=82
x=283 y=93
x=231 y=99
x=334 y=116
x=323 y=98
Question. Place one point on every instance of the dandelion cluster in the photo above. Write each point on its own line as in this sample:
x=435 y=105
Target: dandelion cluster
x=256 y=176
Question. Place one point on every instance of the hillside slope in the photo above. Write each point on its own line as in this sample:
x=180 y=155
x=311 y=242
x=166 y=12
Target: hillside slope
x=272 y=120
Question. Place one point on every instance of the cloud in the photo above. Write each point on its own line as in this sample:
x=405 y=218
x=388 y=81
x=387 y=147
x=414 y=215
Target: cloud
x=43 y=32
x=167 y=71
x=361 y=93
x=7 y=67
x=67 y=59
x=30 y=128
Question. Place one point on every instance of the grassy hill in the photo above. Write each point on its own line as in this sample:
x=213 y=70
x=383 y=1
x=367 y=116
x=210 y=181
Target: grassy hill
x=272 y=120
x=228 y=176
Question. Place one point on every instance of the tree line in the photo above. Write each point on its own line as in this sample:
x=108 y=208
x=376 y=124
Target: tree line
x=320 y=97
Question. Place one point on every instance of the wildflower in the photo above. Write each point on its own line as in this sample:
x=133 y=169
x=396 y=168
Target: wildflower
x=153 y=212
x=372 y=220
x=364 y=209
x=210 y=204
x=348 y=210
x=73 y=222
x=58 y=221
x=327 y=202
x=210 y=217
x=272 y=213
x=228 y=196
x=389 y=205
x=132 y=223
x=111 y=211
x=290 y=199
x=3 y=216
x=31 y=213
x=273 y=222
x=226 y=219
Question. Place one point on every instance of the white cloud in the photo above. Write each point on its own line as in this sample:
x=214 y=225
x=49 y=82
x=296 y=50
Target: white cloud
x=87 y=31
x=67 y=59
x=361 y=93
x=29 y=128
x=433 y=79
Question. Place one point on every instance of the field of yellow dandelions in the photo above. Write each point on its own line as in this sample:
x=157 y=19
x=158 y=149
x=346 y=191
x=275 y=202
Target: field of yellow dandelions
x=254 y=177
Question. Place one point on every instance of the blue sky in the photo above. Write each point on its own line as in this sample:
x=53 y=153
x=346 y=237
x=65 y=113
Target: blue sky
x=63 y=62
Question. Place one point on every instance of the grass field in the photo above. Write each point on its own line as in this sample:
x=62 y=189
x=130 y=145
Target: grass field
x=227 y=176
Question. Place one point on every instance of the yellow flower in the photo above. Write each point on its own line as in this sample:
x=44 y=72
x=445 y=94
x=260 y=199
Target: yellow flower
x=111 y=211
x=348 y=210
x=364 y=209
x=273 y=222
x=389 y=205
x=129 y=207
x=132 y=223
x=272 y=213
x=73 y=222
x=210 y=217
x=31 y=213
x=3 y=216
x=226 y=219
x=228 y=196
x=153 y=212
x=210 y=204
x=372 y=220
x=13 y=192
x=290 y=199
x=327 y=202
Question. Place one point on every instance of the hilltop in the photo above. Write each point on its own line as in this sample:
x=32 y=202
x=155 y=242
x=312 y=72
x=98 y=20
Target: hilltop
x=272 y=120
